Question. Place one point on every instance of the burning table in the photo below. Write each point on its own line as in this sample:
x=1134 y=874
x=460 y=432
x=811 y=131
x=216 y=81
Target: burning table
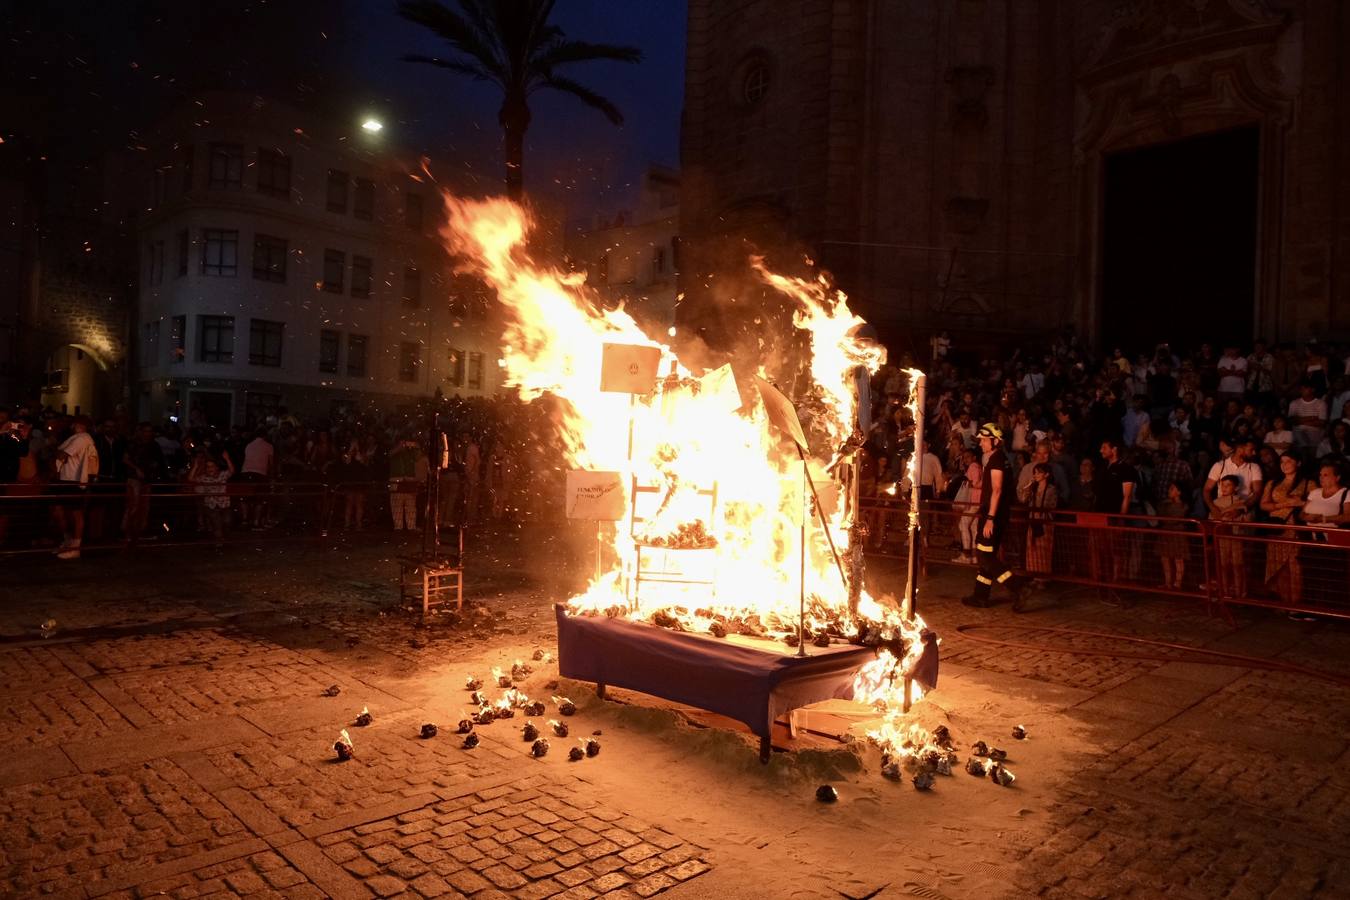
x=755 y=681
x=756 y=516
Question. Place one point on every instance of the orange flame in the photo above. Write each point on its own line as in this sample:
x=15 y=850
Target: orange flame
x=706 y=476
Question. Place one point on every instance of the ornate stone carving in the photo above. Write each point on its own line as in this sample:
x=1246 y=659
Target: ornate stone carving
x=1162 y=30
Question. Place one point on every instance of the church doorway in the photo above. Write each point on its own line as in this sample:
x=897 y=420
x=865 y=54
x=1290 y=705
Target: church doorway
x=1179 y=242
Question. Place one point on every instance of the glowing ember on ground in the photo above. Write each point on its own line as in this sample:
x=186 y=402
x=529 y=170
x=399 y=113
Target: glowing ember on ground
x=727 y=487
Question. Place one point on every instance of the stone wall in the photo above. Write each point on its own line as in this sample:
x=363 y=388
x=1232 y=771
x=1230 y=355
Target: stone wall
x=944 y=159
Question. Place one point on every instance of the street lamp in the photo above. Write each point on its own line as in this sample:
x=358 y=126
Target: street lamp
x=372 y=125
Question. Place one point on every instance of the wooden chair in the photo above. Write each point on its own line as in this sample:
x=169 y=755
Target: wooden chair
x=436 y=577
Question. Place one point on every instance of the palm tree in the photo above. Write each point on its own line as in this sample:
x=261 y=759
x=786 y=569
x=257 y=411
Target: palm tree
x=511 y=44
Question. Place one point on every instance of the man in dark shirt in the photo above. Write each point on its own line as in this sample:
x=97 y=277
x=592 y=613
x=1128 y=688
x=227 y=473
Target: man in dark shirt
x=996 y=498
x=1116 y=486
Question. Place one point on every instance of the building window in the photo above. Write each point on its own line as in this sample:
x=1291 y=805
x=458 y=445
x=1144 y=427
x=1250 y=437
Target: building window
x=334 y=267
x=412 y=286
x=456 y=376
x=216 y=339
x=269 y=258
x=755 y=83
x=187 y=156
x=356 y=355
x=412 y=211
x=150 y=344
x=220 y=252
x=156 y=261
x=184 y=245
x=658 y=260
x=329 y=342
x=177 y=339
x=258 y=407
x=227 y=166
x=264 y=342
x=361 y=267
x=363 y=199
x=337 y=191
x=409 y=361
x=159 y=187
x=274 y=173
x=475 y=370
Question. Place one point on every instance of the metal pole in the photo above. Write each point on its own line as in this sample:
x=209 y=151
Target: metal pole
x=857 y=527
x=801 y=611
x=920 y=393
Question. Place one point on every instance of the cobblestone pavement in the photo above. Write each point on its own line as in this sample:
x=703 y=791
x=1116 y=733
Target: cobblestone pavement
x=182 y=747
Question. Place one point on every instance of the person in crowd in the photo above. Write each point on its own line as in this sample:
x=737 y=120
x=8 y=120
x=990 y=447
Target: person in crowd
x=1337 y=441
x=966 y=428
x=1232 y=371
x=260 y=463
x=1134 y=422
x=991 y=523
x=1173 y=548
x=355 y=478
x=1242 y=466
x=1115 y=495
x=1261 y=375
x=1228 y=509
x=1325 y=505
x=967 y=500
x=1309 y=416
x=407 y=477
x=1339 y=399
x=1316 y=369
x=77 y=465
x=143 y=461
x=319 y=456
x=1281 y=502
x=1279 y=438
x=1040 y=496
x=208 y=481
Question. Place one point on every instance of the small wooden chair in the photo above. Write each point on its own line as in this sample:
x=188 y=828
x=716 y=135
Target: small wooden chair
x=437 y=577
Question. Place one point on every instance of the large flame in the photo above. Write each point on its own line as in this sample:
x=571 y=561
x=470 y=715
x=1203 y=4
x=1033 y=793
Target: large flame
x=716 y=494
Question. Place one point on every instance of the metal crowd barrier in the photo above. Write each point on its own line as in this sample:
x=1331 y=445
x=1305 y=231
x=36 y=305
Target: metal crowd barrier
x=176 y=513
x=1293 y=568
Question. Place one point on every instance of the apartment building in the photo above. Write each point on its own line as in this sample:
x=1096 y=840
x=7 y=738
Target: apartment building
x=292 y=262
x=632 y=258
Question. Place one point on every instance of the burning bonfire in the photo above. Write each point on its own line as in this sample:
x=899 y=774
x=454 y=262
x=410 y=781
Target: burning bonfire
x=732 y=526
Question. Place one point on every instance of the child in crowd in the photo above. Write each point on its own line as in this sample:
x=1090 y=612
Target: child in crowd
x=208 y=480
x=1171 y=545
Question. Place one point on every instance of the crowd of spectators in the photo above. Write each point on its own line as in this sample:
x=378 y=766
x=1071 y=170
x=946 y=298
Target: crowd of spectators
x=1147 y=434
x=1251 y=434
x=114 y=479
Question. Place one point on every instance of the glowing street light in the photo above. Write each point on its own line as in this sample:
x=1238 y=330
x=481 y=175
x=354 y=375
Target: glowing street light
x=372 y=126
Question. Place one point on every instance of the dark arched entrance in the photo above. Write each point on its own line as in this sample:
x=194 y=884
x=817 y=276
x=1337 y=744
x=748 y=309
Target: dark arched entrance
x=1179 y=241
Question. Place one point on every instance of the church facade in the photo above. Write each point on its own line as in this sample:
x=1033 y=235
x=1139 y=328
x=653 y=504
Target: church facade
x=1174 y=169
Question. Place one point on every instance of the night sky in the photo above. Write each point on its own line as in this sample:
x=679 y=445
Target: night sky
x=573 y=154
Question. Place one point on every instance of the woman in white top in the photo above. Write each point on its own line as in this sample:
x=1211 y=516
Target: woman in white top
x=1325 y=581
x=1326 y=504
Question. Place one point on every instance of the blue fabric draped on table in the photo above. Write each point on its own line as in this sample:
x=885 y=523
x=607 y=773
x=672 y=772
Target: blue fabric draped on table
x=748 y=684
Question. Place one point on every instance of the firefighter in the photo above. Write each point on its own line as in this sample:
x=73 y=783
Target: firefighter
x=996 y=496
